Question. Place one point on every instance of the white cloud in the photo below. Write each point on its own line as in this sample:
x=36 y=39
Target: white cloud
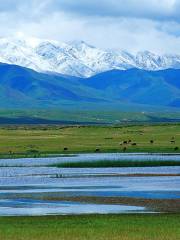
x=132 y=24
x=153 y=9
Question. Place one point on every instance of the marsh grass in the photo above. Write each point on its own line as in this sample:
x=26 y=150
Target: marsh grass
x=116 y=163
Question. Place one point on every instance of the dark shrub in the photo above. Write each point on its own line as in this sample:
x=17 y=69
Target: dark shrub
x=33 y=151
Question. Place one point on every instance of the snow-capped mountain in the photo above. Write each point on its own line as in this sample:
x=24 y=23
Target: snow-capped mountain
x=77 y=58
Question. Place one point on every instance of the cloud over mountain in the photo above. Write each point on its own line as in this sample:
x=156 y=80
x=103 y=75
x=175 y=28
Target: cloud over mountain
x=132 y=24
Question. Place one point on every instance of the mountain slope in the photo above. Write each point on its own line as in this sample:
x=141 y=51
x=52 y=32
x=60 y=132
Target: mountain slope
x=23 y=87
x=139 y=86
x=78 y=58
x=132 y=90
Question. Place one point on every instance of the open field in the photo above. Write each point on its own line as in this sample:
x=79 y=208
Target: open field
x=92 y=227
x=74 y=114
x=36 y=141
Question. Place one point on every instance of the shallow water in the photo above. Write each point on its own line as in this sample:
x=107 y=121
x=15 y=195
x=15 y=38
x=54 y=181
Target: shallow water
x=153 y=187
x=80 y=172
x=88 y=157
x=22 y=188
x=23 y=207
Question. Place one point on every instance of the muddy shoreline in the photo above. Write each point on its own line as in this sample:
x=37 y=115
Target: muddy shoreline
x=156 y=205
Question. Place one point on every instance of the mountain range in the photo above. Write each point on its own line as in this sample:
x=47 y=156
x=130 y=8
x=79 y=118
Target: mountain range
x=25 y=88
x=78 y=58
x=76 y=78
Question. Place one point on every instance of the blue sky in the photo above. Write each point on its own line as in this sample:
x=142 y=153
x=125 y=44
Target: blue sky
x=133 y=25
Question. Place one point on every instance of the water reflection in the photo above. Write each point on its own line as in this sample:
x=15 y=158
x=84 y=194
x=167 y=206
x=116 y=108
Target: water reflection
x=23 y=207
x=23 y=190
x=89 y=157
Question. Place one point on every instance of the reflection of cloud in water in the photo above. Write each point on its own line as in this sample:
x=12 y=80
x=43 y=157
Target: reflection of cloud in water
x=38 y=182
x=29 y=207
x=88 y=157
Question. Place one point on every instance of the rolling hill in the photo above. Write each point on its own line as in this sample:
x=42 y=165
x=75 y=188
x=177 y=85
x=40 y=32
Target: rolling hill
x=22 y=87
x=97 y=98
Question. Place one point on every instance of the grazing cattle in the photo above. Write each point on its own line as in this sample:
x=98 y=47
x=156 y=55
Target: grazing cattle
x=65 y=149
x=134 y=144
x=172 y=141
x=151 y=141
x=125 y=142
x=97 y=150
x=129 y=141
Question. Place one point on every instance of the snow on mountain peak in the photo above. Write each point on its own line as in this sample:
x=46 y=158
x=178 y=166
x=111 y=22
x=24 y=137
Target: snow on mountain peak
x=77 y=58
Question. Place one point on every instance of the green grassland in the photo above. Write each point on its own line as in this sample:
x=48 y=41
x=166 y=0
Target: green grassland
x=73 y=113
x=92 y=227
x=16 y=141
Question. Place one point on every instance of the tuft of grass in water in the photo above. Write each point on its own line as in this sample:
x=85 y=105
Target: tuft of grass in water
x=92 y=227
x=40 y=155
x=116 y=163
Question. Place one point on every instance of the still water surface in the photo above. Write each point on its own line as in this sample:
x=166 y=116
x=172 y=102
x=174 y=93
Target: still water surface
x=23 y=188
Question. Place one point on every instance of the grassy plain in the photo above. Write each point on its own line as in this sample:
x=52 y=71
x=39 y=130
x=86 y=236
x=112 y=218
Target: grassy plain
x=41 y=140
x=92 y=227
